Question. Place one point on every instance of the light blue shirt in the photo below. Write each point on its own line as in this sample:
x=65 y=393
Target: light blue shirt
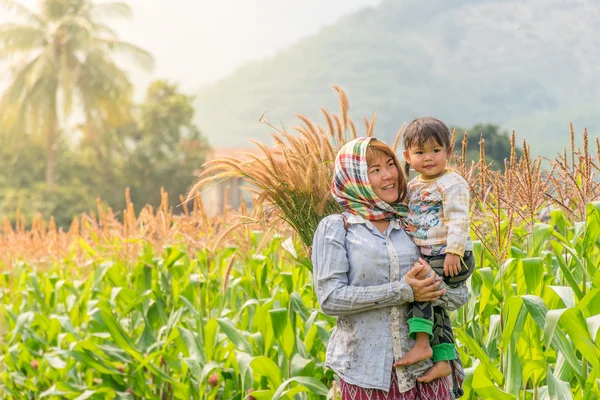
x=359 y=278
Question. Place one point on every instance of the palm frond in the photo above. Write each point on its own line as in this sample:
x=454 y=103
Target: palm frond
x=76 y=26
x=102 y=30
x=113 y=9
x=105 y=92
x=19 y=38
x=140 y=56
x=43 y=66
x=22 y=11
x=52 y=10
x=30 y=114
x=102 y=74
x=14 y=92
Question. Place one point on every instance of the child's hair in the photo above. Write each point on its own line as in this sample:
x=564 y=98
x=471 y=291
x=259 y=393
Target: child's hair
x=378 y=148
x=425 y=130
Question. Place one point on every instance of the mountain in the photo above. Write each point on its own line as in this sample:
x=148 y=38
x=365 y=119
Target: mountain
x=465 y=61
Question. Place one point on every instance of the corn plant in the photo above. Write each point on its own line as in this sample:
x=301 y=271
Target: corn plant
x=165 y=306
x=166 y=326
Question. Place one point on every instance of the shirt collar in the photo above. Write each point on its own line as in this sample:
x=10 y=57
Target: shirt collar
x=358 y=219
x=421 y=179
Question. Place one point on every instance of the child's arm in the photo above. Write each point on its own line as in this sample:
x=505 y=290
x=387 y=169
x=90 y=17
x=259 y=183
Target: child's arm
x=451 y=264
x=453 y=298
x=455 y=205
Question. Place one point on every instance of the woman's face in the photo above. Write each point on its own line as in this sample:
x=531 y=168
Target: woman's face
x=383 y=176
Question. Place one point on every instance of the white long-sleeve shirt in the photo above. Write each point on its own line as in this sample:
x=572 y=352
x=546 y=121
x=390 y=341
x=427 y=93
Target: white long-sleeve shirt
x=438 y=216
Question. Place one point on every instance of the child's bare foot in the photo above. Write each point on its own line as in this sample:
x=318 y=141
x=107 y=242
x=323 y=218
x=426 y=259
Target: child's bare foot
x=439 y=370
x=419 y=352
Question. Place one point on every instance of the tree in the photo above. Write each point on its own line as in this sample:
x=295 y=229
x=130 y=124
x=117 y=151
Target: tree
x=497 y=144
x=63 y=60
x=166 y=149
x=22 y=163
x=22 y=184
x=162 y=147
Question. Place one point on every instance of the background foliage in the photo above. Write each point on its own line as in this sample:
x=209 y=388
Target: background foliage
x=152 y=303
x=164 y=306
x=160 y=147
x=533 y=70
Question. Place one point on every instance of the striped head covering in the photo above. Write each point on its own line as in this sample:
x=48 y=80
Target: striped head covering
x=351 y=187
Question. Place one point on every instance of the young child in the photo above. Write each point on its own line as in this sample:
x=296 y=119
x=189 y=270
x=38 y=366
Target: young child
x=438 y=221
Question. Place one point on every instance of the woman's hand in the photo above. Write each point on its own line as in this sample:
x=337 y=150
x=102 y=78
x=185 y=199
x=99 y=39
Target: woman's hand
x=424 y=288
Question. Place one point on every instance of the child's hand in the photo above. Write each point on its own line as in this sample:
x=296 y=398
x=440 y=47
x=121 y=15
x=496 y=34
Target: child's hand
x=451 y=264
x=423 y=273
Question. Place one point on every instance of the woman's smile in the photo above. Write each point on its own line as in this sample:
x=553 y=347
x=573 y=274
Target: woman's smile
x=383 y=176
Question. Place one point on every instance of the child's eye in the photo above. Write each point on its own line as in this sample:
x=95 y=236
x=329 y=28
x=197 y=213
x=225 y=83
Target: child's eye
x=418 y=152
x=436 y=150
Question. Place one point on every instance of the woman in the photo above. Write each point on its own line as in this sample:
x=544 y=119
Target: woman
x=366 y=271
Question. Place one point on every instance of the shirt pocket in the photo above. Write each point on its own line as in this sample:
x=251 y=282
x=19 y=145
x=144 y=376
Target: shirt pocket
x=408 y=255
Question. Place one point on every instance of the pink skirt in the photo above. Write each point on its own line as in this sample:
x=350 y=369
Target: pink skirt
x=434 y=390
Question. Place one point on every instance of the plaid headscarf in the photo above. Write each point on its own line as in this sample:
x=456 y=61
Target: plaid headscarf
x=352 y=189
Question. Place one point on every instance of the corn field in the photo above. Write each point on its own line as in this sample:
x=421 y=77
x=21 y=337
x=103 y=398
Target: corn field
x=161 y=306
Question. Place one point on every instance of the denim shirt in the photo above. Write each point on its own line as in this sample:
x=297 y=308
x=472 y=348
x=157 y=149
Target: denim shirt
x=359 y=278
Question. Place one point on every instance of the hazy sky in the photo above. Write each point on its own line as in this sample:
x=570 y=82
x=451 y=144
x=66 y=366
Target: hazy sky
x=196 y=42
x=200 y=41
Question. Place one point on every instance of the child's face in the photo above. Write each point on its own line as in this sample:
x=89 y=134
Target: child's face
x=429 y=160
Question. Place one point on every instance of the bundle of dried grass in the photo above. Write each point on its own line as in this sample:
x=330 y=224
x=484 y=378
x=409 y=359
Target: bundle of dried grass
x=292 y=180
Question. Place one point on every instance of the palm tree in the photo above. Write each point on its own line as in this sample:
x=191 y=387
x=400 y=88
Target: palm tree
x=63 y=60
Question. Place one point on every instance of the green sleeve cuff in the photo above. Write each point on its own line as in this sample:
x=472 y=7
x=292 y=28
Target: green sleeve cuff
x=443 y=352
x=419 y=325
